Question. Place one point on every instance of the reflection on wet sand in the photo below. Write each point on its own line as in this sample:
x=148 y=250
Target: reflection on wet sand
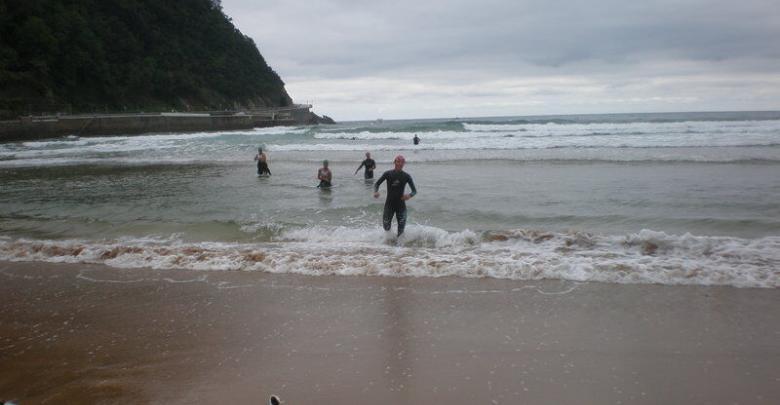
x=399 y=363
x=87 y=334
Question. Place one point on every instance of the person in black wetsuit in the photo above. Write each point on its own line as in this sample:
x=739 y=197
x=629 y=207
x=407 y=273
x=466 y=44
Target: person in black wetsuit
x=370 y=165
x=416 y=139
x=395 y=204
x=262 y=162
x=324 y=175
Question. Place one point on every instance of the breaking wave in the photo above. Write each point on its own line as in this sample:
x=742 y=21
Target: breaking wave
x=523 y=254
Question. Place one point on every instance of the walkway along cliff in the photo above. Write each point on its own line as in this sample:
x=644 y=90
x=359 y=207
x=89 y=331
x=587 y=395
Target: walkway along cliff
x=50 y=126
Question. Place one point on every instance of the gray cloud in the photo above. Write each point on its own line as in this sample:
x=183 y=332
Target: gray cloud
x=457 y=42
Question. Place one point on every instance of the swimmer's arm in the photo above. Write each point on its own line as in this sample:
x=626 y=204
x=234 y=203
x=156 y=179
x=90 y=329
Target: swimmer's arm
x=414 y=189
x=378 y=183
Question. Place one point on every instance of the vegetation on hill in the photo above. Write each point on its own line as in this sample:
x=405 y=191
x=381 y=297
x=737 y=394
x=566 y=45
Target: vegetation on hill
x=128 y=55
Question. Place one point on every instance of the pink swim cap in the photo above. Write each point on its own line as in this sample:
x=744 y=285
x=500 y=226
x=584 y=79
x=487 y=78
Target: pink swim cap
x=400 y=157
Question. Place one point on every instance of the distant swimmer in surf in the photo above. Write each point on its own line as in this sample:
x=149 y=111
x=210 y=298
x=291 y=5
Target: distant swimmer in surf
x=324 y=175
x=395 y=204
x=262 y=162
x=369 y=164
x=416 y=139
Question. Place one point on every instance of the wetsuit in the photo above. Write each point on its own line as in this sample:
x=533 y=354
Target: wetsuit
x=370 y=165
x=262 y=166
x=324 y=175
x=394 y=205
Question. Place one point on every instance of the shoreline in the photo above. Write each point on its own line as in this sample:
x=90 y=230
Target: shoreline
x=79 y=333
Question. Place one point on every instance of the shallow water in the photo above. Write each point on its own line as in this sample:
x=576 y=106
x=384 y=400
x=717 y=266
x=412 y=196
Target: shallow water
x=662 y=198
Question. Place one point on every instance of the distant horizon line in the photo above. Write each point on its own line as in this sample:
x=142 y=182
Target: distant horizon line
x=556 y=115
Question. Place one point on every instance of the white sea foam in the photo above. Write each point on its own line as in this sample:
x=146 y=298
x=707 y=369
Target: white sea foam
x=113 y=144
x=280 y=131
x=507 y=142
x=498 y=136
x=644 y=257
x=294 y=153
x=436 y=135
x=760 y=140
x=621 y=128
x=67 y=141
x=76 y=161
x=495 y=127
x=420 y=236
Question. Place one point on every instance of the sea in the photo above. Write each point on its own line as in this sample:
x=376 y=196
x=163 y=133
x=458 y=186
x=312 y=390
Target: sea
x=672 y=199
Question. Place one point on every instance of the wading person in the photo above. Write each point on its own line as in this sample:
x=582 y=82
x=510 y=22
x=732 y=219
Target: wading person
x=369 y=164
x=324 y=175
x=395 y=204
x=262 y=162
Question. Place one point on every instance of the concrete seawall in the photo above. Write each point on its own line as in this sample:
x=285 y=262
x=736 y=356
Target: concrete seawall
x=32 y=128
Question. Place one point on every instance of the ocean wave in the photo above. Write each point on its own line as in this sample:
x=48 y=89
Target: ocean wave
x=501 y=144
x=649 y=118
x=530 y=129
x=397 y=126
x=125 y=143
x=628 y=128
x=645 y=257
x=499 y=132
x=493 y=137
x=407 y=135
x=568 y=155
x=99 y=161
x=281 y=131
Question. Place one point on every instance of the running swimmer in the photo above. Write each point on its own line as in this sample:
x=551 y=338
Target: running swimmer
x=262 y=162
x=369 y=164
x=324 y=175
x=395 y=204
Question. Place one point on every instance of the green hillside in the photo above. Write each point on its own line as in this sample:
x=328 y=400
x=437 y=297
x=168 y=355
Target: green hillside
x=128 y=55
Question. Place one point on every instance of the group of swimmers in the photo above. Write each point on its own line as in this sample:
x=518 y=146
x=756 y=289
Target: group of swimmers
x=396 y=178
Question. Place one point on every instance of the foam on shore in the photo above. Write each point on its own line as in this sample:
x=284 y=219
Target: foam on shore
x=639 y=258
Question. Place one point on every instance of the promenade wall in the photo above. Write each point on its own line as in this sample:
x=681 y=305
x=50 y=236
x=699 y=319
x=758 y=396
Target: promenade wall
x=32 y=128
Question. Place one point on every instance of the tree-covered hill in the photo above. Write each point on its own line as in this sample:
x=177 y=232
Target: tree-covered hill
x=120 y=55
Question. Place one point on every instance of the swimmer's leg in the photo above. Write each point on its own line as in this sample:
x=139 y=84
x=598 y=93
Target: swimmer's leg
x=387 y=217
x=400 y=215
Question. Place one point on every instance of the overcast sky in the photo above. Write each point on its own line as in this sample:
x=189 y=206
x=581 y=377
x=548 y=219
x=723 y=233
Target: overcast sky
x=366 y=59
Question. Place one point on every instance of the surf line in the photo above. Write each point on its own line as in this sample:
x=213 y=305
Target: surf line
x=82 y=274
x=540 y=291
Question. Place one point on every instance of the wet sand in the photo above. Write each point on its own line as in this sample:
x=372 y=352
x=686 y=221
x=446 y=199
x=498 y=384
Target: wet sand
x=93 y=334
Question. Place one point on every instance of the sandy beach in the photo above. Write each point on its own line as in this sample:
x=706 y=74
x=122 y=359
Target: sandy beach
x=94 y=334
